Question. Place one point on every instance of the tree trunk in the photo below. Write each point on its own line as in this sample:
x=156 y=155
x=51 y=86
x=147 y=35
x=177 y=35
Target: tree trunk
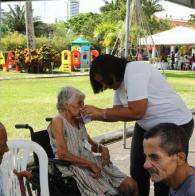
x=29 y=25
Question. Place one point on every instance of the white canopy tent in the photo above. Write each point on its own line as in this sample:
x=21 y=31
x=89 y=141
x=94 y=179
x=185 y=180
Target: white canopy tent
x=175 y=36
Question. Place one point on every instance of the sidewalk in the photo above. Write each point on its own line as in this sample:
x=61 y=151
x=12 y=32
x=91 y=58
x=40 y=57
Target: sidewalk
x=36 y=76
x=121 y=156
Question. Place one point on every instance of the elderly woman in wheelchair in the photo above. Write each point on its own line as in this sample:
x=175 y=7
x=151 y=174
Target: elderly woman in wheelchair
x=95 y=175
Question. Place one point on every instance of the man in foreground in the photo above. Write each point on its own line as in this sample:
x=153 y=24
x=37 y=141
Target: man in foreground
x=166 y=150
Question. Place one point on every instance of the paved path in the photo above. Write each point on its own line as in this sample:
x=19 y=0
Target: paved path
x=120 y=156
x=35 y=76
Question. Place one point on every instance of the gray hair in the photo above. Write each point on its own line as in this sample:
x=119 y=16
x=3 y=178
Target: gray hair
x=66 y=94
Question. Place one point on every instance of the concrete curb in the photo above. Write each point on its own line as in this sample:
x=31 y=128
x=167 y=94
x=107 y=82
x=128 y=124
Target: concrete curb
x=113 y=136
x=118 y=135
x=42 y=76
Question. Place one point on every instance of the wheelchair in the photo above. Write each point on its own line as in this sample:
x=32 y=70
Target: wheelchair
x=58 y=185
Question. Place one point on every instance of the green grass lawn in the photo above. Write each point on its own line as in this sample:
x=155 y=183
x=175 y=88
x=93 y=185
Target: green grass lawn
x=31 y=100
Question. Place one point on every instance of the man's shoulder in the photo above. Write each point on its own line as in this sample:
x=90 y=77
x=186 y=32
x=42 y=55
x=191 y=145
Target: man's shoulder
x=187 y=188
x=189 y=185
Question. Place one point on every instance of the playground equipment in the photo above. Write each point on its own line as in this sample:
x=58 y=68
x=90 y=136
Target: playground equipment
x=10 y=61
x=83 y=46
x=66 y=61
x=80 y=56
x=75 y=60
x=2 y=60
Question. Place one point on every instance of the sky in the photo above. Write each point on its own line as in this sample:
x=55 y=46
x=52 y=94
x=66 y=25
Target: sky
x=53 y=10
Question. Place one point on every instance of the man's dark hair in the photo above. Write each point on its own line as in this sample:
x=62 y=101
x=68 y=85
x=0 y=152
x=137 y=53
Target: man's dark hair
x=108 y=66
x=173 y=138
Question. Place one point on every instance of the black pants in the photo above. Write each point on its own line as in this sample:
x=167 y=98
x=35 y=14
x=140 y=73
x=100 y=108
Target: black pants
x=137 y=157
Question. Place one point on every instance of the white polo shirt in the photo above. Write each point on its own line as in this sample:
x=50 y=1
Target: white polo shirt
x=141 y=81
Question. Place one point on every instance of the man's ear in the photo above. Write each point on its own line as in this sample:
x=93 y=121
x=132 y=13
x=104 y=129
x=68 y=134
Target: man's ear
x=181 y=158
x=66 y=104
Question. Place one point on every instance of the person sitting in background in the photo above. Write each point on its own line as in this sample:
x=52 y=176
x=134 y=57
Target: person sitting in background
x=95 y=175
x=3 y=149
x=166 y=150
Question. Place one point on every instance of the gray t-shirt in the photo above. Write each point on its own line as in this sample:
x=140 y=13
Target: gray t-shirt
x=187 y=188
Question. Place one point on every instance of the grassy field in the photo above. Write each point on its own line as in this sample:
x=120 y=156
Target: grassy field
x=31 y=100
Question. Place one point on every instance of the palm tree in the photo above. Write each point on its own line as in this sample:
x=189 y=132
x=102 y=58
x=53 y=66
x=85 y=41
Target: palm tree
x=15 y=18
x=150 y=7
x=116 y=7
x=192 y=19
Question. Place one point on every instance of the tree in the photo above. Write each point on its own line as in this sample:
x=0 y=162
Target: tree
x=15 y=18
x=113 y=15
x=83 y=24
x=114 y=11
x=150 y=7
x=15 y=21
x=192 y=19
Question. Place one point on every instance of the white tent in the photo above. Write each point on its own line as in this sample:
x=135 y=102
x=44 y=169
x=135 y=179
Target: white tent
x=175 y=36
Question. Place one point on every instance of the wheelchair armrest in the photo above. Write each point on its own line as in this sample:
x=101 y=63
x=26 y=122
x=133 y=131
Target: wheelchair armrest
x=59 y=162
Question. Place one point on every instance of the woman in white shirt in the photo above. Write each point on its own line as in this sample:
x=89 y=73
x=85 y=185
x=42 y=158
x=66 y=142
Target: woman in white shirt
x=143 y=95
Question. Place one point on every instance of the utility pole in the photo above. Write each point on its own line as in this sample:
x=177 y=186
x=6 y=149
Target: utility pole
x=127 y=29
x=126 y=44
x=0 y=24
x=29 y=25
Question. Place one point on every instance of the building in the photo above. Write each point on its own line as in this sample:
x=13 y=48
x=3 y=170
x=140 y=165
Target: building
x=188 y=3
x=72 y=8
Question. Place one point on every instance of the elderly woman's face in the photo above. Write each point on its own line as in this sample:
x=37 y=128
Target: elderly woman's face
x=75 y=104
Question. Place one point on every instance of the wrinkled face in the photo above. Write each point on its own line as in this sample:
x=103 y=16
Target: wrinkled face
x=3 y=143
x=158 y=163
x=75 y=104
x=100 y=79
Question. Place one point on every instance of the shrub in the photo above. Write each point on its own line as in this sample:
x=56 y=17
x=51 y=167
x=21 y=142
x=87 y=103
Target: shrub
x=11 y=41
x=37 y=60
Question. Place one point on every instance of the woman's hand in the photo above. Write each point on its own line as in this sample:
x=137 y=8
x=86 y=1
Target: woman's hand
x=105 y=155
x=95 y=169
x=93 y=112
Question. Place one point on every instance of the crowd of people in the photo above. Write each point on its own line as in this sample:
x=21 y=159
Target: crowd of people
x=182 y=62
x=160 y=142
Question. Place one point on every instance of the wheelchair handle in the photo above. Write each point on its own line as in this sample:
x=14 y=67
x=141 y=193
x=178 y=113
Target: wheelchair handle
x=24 y=126
x=48 y=119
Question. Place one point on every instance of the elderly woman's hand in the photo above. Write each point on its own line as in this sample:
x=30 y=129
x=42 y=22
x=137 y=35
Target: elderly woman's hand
x=95 y=169
x=105 y=155
x=93 y=112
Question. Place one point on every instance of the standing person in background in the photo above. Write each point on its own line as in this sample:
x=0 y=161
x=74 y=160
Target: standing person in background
x=143 y=95
x=177 y=58
x=3 y=149
x=172 y=60
x=166 y=149
x=192 y=60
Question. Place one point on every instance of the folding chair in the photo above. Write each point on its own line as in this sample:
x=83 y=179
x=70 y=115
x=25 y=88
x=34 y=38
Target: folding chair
x=17 y=158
